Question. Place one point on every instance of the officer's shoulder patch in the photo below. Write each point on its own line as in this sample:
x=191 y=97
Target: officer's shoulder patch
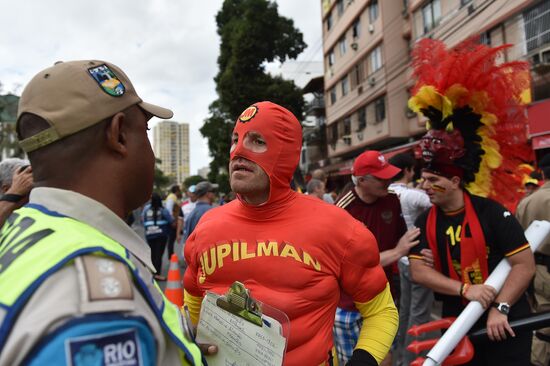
x=106 y=279
x=109 y=349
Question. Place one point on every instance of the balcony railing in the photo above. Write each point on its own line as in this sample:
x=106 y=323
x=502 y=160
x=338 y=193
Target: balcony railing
x=316 y=103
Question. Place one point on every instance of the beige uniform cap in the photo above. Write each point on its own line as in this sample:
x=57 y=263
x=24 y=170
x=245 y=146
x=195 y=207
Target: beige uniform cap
x=72 y=96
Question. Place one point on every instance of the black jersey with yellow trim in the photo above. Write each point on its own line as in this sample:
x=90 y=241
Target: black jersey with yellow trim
x=504 y=235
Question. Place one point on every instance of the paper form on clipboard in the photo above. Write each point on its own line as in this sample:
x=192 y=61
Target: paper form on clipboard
x=240 y=339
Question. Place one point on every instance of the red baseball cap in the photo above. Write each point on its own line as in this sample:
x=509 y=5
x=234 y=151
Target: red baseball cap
x=373 y=163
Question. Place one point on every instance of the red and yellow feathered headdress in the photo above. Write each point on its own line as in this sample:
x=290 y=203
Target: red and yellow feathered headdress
x=476 y=115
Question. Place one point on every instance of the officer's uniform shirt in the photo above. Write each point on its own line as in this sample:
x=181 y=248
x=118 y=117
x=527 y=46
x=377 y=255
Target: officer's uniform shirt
x=62 y=296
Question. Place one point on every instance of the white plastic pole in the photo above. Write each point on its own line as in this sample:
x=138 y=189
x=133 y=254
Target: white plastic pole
x=535 y=234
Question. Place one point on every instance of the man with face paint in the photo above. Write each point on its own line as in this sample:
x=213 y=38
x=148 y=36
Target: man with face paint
x=473 y=142
x=491 y=230
x=292 y=251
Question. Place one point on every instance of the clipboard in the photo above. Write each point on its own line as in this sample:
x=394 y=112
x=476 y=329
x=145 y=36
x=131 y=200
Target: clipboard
x=246 y=331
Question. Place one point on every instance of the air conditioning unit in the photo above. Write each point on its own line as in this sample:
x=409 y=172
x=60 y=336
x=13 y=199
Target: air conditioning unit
x=471 y=9
x=541 y=57
x=354 y=45
x=371 y=28
x=541 y=61
x=347 y=139
x=360 y=89
x=372 y=81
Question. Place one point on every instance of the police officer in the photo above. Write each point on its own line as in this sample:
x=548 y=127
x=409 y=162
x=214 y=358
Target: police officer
x=536 y=207
x=76 y=282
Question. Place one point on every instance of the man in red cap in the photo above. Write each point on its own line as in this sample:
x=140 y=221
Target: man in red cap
x=370 y=202
x=294 y=260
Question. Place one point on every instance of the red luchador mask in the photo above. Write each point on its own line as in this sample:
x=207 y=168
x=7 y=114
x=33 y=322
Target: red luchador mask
x=283 y=135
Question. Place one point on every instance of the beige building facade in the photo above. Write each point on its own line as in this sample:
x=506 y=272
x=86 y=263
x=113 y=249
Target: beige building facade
x=171 y=146
x=366 y=46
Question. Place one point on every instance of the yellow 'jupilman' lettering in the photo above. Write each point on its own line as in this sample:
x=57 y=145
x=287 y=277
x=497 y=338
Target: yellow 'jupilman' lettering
x=311 y=262
x=272 y=247
x=244 y=251
x=289 y=250
x=215 y=257
x=223 y=251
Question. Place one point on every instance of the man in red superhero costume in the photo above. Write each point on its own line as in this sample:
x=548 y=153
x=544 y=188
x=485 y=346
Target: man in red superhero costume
x=292 y=251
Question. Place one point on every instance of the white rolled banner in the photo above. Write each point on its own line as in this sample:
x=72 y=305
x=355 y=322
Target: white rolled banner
x=535 y=234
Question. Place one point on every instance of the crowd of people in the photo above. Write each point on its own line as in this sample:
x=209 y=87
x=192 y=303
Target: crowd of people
x=167 y=223
x=79 y=274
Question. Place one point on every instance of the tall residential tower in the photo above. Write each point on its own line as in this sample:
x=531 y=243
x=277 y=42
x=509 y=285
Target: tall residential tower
x=171 y=146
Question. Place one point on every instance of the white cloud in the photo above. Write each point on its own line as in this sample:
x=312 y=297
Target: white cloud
x=168 y=48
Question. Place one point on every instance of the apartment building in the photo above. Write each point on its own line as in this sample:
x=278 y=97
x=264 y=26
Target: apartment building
x=523 y=23
x=171 y=146
x=367 y=43
x=314 y=142
x=366 y=48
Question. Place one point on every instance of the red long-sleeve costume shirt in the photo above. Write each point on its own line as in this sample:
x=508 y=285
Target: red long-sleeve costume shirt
x=294 y=252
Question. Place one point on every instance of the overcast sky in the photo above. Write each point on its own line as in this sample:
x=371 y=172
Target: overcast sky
x=168 y=48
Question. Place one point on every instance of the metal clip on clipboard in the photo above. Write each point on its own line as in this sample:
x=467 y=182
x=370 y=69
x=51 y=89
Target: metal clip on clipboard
x=238 y=301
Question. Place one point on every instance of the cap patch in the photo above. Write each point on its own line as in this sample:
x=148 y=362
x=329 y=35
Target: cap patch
x=107 y=79
x=248 y=113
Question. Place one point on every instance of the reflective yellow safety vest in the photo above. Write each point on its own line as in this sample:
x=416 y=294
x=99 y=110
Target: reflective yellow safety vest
x=36 y=242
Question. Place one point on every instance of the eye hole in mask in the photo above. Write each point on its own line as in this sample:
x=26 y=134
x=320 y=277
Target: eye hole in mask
x=253 y=141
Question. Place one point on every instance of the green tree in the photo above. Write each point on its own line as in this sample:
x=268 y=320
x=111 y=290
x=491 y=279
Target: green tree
x=9 y=144
x=192 y=180
x=252 y=33
x=222 y=180
x=161 y=181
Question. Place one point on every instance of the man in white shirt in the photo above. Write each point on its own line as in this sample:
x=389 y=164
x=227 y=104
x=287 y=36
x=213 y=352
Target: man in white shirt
x=186 y=208
x=416 y=300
